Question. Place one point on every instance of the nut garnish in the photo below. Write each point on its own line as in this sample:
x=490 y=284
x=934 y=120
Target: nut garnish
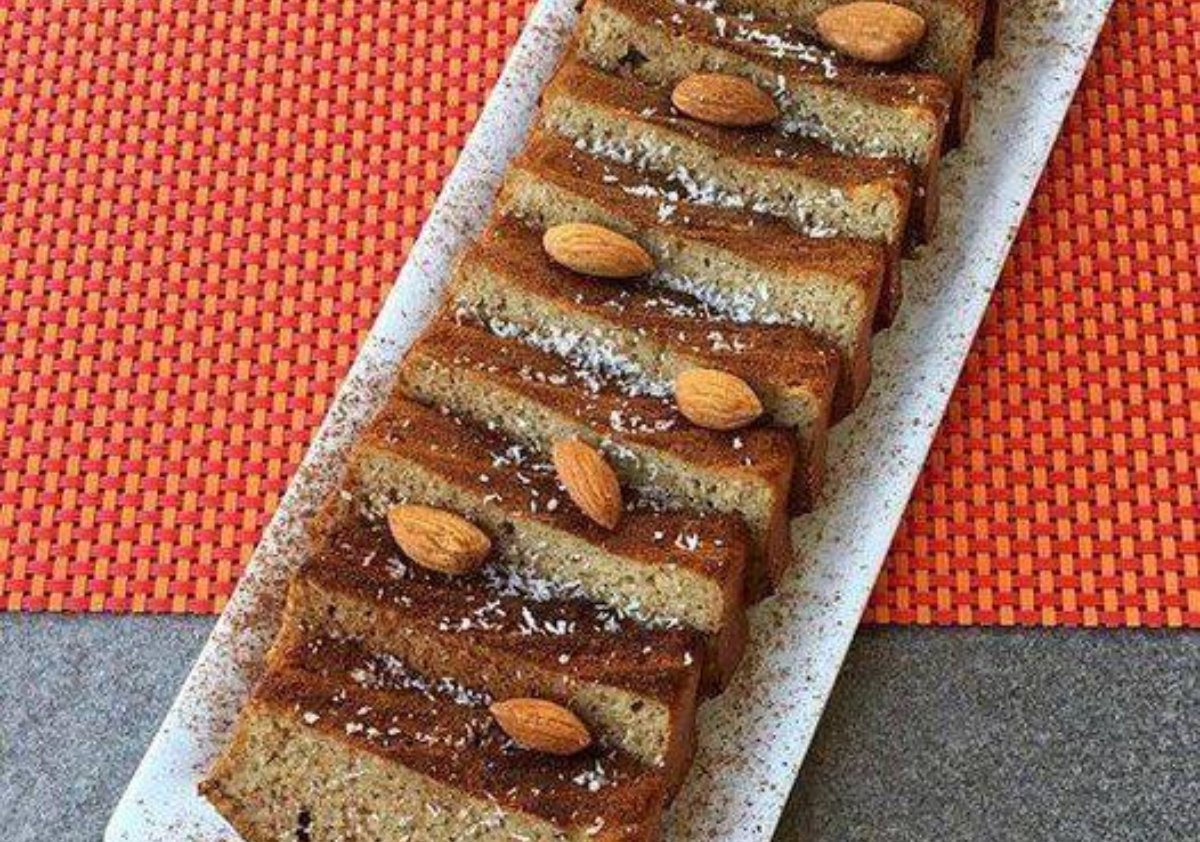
x=437 y=539
x=716 y=399
x=595 y=250
x=724 y=100
x=590 y=481
x=539 y=725
x=877 y=32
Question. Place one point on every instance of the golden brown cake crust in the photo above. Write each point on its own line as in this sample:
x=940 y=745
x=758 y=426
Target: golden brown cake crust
x=949 y=47
x=766 y=454
x=791 y=51
x=911 y=195
x=372 y=704
x=754 y=352
x=652 y=200
x=497 y=610
x=525 y=482
x=766 y=147
x=787 y=12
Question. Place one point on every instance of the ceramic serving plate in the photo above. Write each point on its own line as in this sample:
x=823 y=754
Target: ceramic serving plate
x=754 y=736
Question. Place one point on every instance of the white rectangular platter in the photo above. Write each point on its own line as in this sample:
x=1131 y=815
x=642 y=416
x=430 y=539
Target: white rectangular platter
x=754 y=737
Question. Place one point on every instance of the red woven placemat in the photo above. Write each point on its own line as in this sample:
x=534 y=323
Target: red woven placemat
x=202 y=208
x=1062 y=487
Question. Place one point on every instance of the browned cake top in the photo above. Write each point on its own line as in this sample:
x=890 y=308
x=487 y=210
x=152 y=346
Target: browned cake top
x=787 y=49
x=760 y=451
x=523 y=482
x=445 y=731
x=971 y=8
x=766 y=147
x=774 y=14
x=648 y=200
x=757 y=353
x=536 y=621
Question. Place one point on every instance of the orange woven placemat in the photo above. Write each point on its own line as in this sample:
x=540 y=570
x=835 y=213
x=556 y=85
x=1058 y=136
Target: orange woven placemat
x=203 y=206
x=1062 y=487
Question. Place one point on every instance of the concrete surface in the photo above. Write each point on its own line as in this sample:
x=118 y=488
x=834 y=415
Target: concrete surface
x=939 y=734
x=931 y=734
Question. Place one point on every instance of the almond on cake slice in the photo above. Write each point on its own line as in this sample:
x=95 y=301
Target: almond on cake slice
x=439 y=540
x=336 y=739
x=716 y=399
x=724 y=100
x=595 y=250
x=872 y=31
x=540 y=725
x=589 y=480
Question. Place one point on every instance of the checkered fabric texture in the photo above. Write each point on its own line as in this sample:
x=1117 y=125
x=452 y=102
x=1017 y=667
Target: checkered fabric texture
x=204 y=204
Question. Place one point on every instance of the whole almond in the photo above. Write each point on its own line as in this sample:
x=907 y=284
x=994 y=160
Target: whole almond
x=590 y=481
x=539 y=725
x=595 y=250
x=437 y=539
x=716 y=399
x=877 y=32
x=724 y=100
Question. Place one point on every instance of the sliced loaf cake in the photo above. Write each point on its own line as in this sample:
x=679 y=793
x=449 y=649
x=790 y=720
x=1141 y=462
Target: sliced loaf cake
x=660 y=565
x=746 y=267
x=821 y=194
x=948 y=49
x=642 y=339
x=338 y=743
x=855 y=109
x=508 y=634
x=522 y=658
x=537 y=398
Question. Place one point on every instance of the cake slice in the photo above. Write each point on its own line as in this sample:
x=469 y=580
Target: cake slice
x=509 y=635
x=537 y=398
x=854 y=108
x=659 y=565
x=951 y=40
x=747 y=267
x=338 y=744
x=819 y=193
x=642 y=339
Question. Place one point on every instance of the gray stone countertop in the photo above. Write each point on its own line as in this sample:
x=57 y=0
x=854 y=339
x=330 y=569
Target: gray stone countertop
x=932 y=734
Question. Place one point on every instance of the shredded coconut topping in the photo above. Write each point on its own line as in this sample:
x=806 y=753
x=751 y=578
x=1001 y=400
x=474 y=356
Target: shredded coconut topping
x=590 y=353
x=650 y=155
x=386 y=672
x=786 y=42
